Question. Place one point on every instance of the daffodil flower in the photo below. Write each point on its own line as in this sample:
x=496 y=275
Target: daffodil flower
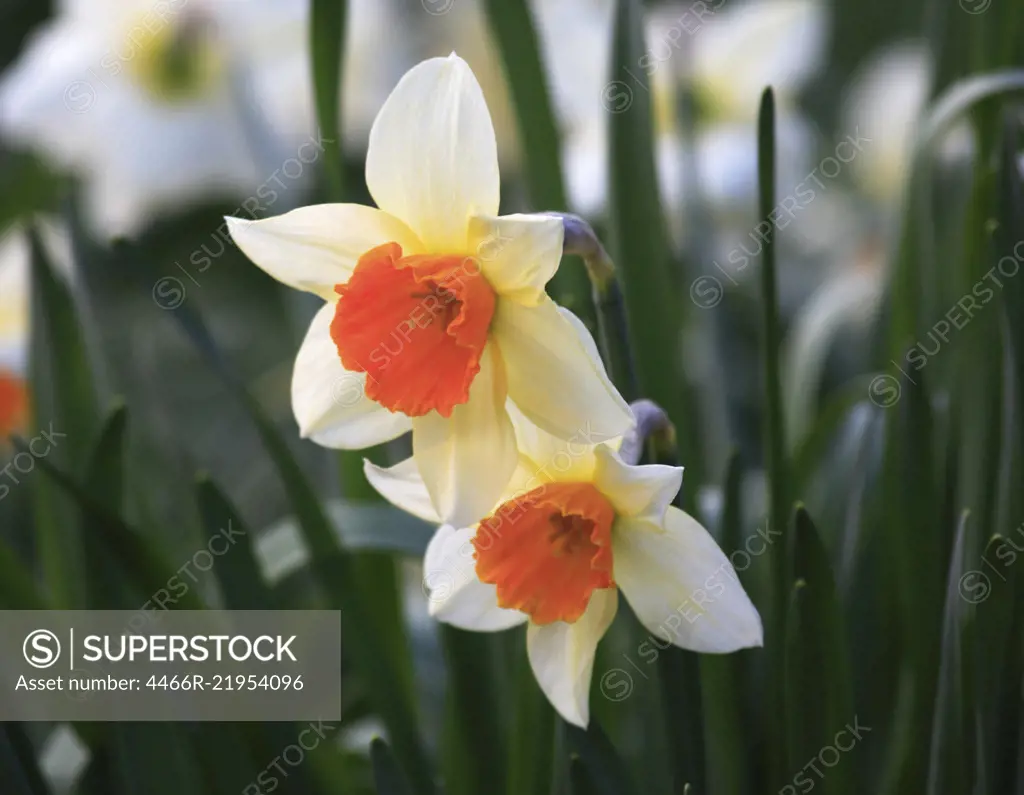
x=158 y=102
x=435 y=306
x=574 y=527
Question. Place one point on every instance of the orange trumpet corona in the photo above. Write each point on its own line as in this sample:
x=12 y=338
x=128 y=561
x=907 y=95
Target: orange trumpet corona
x=417 y=327
x=548 y=550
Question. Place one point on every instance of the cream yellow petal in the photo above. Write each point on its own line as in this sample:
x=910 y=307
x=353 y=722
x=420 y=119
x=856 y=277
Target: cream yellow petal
x=314 y=248
x=468 y=459
x=329 y=402
x=545 y=458
x=518 y=254
x=555 y=376
x=681 y=585
x=641 y=491
x=432 y=159
x=454 y=593
x=562 y=656
x=401 y=485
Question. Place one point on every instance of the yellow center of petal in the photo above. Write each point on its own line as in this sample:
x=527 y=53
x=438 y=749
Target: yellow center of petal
x=173 y=56
x=548 y=550
x=417 y=327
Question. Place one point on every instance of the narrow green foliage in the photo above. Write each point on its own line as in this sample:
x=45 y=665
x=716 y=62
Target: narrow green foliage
x=952 y=752
x=387 y=775
x=531 y=730
x=63 y=402
x=17 y=759
x=327 y=34
x=475 y=721
x=605 y=767
x=819 y=700
x=241 y=582
x=637 y=235
x=722 y=676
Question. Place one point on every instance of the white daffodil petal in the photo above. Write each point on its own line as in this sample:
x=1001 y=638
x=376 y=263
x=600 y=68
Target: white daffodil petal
x=401 y=485
x=467 y=460
x=314 y=248
x=455 y=594
x=562 y=656
x=545 y=458
x=681 y=585
x=518 y=254
x=432 y=158
x=330 y=402
x=644 y=491
x=554 y=375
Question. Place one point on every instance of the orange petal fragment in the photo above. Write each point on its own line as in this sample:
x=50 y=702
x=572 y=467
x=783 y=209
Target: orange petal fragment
x=13 y=404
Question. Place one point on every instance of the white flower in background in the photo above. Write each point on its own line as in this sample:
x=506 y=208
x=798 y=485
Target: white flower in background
x=743 y=47
x=378 y=51
x=736 y=52
x=885 y=101
x=574 y=527
x=159 y=102
x=436 y=309
x=728 y=54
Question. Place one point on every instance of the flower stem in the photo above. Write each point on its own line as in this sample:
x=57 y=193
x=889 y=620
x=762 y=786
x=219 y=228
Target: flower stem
x=613 y=329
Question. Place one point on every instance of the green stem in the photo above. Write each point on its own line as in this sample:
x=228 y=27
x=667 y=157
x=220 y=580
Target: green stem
x=613 y=327
x=774 y=434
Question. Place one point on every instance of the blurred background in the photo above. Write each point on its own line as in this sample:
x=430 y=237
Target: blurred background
x=873 y=374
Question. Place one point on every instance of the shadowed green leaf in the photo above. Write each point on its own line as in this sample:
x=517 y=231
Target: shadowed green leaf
x=137 y=556
x=155 y=758
x=819 y=698
x=64 y=407
x=721 y=675
x=607 y=771
x=327 y=33
x=952 y=754
x=238 y=572
x=637 y=236
x=475 y=724
x=21 y=774
x=387 y=775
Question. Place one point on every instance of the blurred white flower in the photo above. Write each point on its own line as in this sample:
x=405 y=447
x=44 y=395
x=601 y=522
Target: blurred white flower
x=160 y=102
x=744 y=47
x=885 y=101
x=727 y=53
x=378 y=51
x=576 y=38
